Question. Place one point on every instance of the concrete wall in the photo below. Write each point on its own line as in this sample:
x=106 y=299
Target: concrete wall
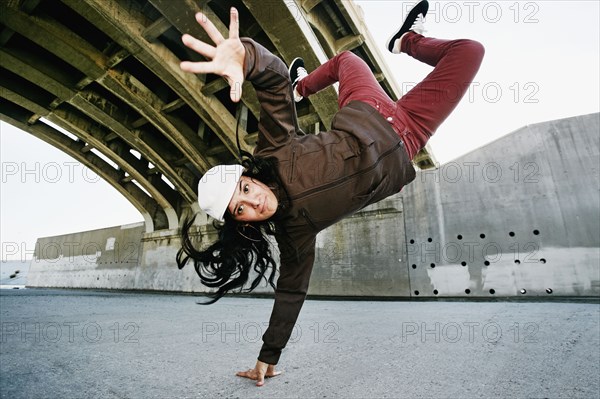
x=517 y=217
x=528 y=204
x=364 y=255
x=104 y=258
x=121 y=257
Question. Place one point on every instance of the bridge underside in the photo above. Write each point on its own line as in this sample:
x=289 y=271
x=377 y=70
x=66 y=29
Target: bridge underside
x=100 y=80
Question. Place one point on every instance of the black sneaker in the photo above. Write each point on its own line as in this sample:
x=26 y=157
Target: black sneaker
x=297 y=73
x=419 y=10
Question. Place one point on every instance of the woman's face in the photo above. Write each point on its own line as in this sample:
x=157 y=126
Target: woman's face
x=252 y=201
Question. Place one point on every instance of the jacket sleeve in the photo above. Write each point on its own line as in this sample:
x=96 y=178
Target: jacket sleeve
x=271 y=80
x=292 y=286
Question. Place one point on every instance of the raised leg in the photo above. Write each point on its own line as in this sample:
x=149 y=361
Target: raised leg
x=354 y=75
x=419 y=113
x=428 y=104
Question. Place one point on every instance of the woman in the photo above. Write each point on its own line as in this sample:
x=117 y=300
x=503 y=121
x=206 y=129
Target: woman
x=295 y=186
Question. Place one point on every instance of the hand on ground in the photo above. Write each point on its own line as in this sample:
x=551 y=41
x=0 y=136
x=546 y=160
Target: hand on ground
x=259 y=373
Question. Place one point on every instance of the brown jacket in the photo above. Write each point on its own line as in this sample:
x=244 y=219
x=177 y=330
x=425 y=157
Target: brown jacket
x=328 y=176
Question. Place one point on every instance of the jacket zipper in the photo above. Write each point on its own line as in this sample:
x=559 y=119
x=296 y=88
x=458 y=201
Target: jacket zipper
x=307 y=217
x=293 y=164
x=345 y=178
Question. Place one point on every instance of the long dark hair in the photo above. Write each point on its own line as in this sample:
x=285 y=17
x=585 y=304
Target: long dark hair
x=240 y=247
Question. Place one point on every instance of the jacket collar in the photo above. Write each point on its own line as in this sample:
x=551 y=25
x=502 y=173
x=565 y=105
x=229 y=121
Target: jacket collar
x=283 y=203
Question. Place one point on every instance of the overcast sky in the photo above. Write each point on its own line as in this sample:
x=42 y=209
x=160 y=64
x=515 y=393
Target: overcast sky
x=541 y=63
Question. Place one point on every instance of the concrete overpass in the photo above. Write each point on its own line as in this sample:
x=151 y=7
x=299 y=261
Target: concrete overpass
x=100 y=80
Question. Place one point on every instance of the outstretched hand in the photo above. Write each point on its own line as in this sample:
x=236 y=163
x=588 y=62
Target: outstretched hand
x=226 y=59
x=259 y=373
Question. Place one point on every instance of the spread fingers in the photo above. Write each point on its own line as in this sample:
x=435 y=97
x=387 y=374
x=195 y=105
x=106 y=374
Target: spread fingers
x=210 y=28
x=199 y=46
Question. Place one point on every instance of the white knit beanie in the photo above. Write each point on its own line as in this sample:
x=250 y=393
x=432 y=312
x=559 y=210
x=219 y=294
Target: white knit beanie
x=216 y=189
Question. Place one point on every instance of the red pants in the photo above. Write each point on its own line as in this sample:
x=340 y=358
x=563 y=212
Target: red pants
x=418 y=114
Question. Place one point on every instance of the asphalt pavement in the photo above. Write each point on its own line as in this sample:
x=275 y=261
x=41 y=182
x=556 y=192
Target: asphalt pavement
x=104 y=344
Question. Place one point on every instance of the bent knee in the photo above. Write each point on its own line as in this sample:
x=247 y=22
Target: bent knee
x=347 y=54
x=475 y=48
x=471 y=52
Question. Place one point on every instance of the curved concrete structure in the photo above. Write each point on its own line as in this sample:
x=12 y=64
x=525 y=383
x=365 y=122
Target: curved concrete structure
x=107 y=72
x=515 y=218
x=100 y=80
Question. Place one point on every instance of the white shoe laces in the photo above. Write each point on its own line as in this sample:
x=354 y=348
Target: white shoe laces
x=302 y=73
x=418 y=26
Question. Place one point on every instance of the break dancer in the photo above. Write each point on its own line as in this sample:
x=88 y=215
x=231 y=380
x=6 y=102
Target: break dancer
x=295 y=185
